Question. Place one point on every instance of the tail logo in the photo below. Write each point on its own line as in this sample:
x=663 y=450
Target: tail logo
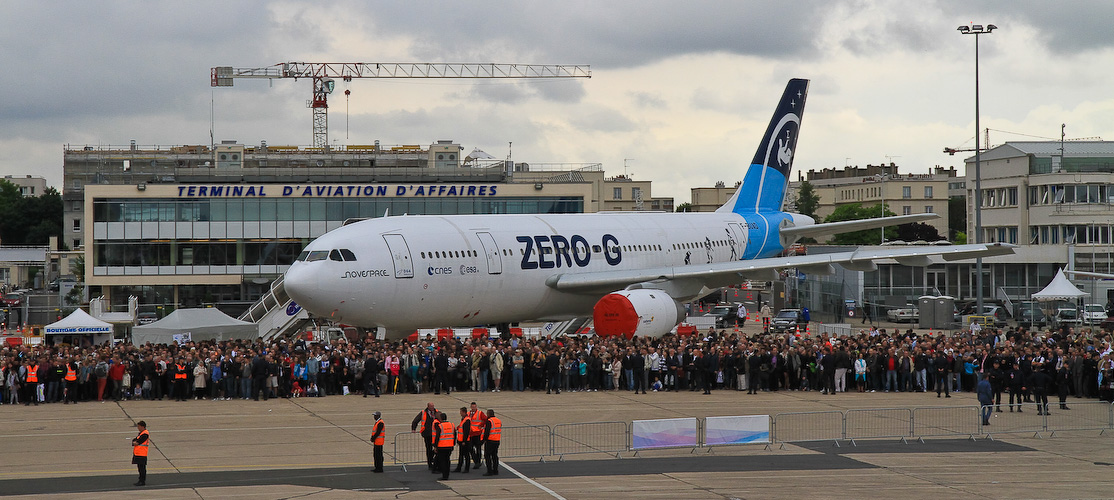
x=784 y=151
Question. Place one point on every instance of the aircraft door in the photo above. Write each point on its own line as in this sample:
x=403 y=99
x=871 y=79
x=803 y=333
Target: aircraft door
x=739 y=240
x=494 y=263
x=400 y=253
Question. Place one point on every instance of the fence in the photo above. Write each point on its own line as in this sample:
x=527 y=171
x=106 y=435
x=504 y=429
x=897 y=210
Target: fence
x=795 y=427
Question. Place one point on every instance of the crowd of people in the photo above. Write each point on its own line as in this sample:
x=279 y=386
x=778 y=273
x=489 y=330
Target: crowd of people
x=1017 y=362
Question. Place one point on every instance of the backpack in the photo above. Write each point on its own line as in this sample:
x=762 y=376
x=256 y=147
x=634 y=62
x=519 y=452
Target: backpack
x=101 y=371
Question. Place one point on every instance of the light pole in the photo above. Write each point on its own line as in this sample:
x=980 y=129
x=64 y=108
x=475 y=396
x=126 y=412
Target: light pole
x=977 y=29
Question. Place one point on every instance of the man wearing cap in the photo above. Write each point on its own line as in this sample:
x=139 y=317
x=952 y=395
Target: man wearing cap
x=493 y=434
x=378 y=437
x=139 y=451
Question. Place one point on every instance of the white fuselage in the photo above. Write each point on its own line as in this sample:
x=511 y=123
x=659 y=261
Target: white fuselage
x=414 y=272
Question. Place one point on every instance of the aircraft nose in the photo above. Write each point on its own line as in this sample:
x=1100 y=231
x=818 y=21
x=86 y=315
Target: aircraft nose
x=301 y=285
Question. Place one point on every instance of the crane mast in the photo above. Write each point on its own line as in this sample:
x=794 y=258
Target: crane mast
x=324 y=77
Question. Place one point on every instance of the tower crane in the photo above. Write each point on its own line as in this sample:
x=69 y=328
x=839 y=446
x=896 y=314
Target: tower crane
x=324 y=75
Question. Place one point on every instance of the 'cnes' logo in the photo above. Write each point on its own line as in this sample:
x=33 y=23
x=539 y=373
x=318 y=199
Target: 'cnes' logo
x=434 y=271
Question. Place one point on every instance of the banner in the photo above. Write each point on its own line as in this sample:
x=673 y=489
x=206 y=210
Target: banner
x=736 y=430
x=665 y=433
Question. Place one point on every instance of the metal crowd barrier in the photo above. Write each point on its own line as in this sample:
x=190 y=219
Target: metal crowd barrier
x=796 y=427
x=938 y=421
x=595 y=437
x=878 y=423
x=809 y=426
x=526 y=441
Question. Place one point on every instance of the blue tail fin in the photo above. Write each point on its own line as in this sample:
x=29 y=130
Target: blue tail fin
x=765 y=181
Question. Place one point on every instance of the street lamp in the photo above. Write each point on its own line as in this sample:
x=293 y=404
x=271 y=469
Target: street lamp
x=977 y=29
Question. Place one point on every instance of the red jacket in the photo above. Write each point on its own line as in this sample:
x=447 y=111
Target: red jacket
x=116 y=372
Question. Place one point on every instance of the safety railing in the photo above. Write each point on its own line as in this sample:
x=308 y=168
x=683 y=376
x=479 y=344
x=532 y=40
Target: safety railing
x=809 y=426
x=879 y=423
x=942 y=421
x=594 y=437
x=791 y=427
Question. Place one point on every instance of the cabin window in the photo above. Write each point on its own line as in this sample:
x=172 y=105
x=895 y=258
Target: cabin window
x=348 y=255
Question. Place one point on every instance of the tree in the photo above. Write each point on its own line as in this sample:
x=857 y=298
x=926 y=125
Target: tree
x=856 y=211
x=684 y=207
x=29 y=220
x=807 y=200
x=957 y=216
x=918 y=231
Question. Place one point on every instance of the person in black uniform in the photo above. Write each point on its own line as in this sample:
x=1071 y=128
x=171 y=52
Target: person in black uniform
x=1063 y=382
x=638 y=364
x=441 y=372
x=942 y=366
x=997 y=383
x=1016 y=381
x=553 y=372
x=711 y=364
x=1038 y=383
x=378 y=436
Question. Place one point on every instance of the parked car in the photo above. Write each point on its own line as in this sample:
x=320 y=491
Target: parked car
x=726 y=315
x=1030 y=315
x=1068 y=316
x=1093 y=313
x=12 y=299
x=998 y=315
x=908 y=314
x=146 y=317
x=787 y=319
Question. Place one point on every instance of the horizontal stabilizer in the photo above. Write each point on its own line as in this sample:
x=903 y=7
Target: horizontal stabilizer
x=830 y=228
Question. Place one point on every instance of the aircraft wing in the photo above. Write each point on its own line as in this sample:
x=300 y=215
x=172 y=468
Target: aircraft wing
x=726 y=273
x=828 y=228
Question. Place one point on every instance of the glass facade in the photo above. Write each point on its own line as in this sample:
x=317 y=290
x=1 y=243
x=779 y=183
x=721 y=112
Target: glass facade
x=319 y=209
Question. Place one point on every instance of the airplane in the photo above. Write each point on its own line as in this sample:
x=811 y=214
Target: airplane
x=630 y=271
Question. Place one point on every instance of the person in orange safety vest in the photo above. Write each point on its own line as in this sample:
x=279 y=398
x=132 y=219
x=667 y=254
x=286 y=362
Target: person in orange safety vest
x=493 y=434
x=426 y=418
x=445 y=437
x=378 y=438
x=139 y=451
x=463 y=442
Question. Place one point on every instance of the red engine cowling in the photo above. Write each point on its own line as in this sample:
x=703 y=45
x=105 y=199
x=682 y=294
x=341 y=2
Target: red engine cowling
x=643 y=312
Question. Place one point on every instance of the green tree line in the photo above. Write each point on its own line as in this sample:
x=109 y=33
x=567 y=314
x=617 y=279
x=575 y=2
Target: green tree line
x=29 y=220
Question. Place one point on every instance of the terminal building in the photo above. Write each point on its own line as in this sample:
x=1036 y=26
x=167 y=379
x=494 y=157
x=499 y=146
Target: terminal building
x=190 y=226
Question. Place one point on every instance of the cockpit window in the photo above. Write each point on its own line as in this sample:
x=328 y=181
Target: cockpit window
x=335 y=255
x=317 y=255
x=348 y=255
x=302 y=256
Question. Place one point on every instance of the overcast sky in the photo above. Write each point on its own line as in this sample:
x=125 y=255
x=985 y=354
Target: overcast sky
x=681 y=91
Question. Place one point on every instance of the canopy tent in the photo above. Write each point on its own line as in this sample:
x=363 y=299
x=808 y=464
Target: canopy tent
x=81 y=323
x=194 y=324
x=1059 y=289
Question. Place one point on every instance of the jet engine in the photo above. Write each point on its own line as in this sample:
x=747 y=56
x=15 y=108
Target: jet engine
x=643 y=312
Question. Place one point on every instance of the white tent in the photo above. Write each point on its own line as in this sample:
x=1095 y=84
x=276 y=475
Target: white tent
x=81 y=323
x=193 y=324
x=1059 y=289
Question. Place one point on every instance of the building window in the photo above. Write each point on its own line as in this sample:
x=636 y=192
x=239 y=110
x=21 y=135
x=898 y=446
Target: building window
x=928 y=192
x=928 y=209
x=76 y=245
x=635 y=193
x=906 y=210
x=1011 y=196
x=617 y=193
x=76 y=206
x=906 y=192
x=77 y=225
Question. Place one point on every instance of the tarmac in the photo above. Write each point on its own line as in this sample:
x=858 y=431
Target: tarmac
x=318 y=448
